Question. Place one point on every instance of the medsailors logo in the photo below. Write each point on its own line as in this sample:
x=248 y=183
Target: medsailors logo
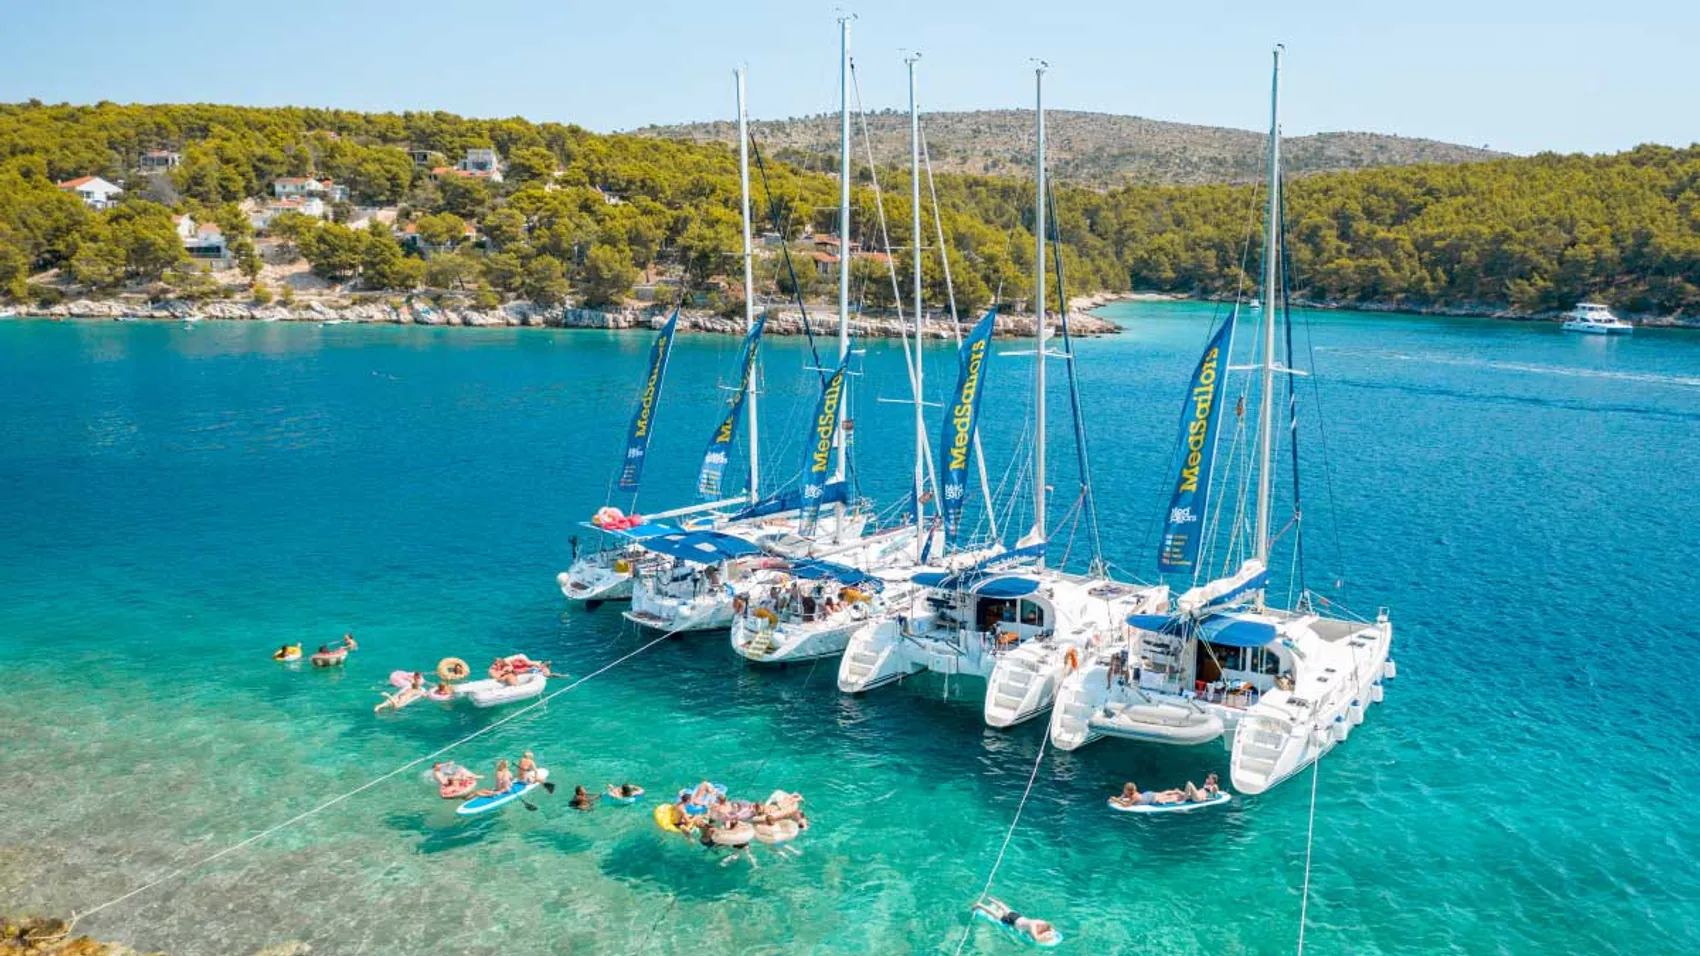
x=962 y=415
x=1198 y=429
x=826 y=423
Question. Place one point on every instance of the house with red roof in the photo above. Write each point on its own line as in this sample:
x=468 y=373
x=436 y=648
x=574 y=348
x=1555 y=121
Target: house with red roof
x=97 y=192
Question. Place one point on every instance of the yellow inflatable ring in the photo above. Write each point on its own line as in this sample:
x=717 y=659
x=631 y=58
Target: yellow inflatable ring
x=452 y=668
x=622 y=566
x=664 y=818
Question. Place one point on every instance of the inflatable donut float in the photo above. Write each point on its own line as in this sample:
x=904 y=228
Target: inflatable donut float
x=453 y=669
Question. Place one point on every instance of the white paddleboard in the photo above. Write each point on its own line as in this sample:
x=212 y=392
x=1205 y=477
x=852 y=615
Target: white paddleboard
x=1185 y=806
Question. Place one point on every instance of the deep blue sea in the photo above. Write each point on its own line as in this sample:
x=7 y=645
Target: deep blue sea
x=175 y=502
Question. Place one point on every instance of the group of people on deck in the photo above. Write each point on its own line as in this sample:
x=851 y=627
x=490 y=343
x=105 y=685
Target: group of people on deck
x=806 y=602
x=1132 y=796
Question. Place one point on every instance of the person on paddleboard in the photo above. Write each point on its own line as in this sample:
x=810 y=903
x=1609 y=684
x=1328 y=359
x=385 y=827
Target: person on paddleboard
x=527 y=768
x=504 y=780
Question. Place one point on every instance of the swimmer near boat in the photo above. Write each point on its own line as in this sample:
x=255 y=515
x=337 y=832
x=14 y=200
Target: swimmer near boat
x=1021 y=929
x=288 y=653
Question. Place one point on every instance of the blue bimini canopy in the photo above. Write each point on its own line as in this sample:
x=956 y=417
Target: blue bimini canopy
x=814 y=569
x=1226 y=630
x=701 y=547
x=984 y=585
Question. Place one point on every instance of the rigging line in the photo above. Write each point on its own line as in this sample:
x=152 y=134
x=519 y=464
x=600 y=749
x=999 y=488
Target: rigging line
x=1316 y=396
x=1084 y=459
x=1310 y=839
x=1292 y=392
x=1008 y=834
x=785 y=251
x=190 y=867
x=955 y=320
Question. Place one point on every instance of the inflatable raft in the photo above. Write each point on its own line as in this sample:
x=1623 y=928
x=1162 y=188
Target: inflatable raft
x=494 y=693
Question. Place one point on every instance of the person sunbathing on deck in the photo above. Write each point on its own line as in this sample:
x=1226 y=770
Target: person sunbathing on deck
x=1037 y=930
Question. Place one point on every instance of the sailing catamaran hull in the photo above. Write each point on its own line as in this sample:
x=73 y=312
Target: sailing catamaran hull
x=783 y=644
x=1287 y=731
x=606 y=586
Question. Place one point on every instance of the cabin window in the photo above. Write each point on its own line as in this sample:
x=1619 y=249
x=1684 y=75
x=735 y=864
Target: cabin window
x=1032 y=614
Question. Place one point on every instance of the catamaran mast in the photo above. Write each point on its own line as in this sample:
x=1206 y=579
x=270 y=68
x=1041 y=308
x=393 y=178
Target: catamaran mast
x=844 y=257
x=1039 y=312
x=920 y=316
x=749 y=286
x=1271 y=276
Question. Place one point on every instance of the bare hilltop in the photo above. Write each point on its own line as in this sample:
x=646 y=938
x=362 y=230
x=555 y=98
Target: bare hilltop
x=1089 y=149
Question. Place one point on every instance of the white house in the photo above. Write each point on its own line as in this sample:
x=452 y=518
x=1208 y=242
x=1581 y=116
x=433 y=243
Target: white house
x=310 y=206
x=159 y=159
x=97 y=192
x=186 y=226
x=483 y=163
x=300 y=187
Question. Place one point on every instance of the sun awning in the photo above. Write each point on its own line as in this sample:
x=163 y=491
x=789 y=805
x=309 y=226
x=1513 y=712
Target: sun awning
x=1227 y=630
x=814 y=569
x=700 y=547
x=985 y=585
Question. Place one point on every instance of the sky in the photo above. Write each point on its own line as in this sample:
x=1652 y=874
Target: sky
x=1521 y=76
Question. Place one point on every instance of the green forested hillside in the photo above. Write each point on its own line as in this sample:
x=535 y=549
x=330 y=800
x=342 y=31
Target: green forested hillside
x=580 y=213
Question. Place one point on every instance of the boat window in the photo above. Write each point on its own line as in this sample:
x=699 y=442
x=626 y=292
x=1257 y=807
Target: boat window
x=1032 y=613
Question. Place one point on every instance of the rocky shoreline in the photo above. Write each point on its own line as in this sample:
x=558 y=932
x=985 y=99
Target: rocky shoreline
x=42 y=936
x=1475 y=311
x=526 y=314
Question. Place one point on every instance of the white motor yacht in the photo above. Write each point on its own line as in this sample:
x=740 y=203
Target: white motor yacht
x=1595 y=318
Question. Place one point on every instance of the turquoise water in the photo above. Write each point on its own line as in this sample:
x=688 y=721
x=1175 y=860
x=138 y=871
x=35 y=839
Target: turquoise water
x=175 y=502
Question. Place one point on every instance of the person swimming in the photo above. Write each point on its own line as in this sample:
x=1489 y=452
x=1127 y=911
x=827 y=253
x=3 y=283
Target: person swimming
x=583 y=799
x=625 y=791
x=1038 y=930
x=348 y=642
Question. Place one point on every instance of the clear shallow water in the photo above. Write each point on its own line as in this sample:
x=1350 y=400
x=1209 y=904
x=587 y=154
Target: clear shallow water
x=176 y=502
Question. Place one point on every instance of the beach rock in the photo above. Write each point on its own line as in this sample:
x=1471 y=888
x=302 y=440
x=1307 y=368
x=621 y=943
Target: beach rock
x=38 y=936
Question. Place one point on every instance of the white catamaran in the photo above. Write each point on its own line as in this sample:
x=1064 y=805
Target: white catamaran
x=696 y=590
x=1280 y=686
x=1006 y=617
x=808 y=611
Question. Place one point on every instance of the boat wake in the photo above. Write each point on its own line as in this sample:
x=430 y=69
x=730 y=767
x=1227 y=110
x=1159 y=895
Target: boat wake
x=1532 y=368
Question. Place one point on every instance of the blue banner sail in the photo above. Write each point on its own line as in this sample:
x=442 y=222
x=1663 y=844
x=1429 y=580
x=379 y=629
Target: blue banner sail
x=720 y=446
x=817 y=465
x=643 y=419
x=957 y=445
x=1196 y=448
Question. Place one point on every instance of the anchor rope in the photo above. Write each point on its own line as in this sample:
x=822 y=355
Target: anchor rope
x=1310 y=835
x=1008 y=834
